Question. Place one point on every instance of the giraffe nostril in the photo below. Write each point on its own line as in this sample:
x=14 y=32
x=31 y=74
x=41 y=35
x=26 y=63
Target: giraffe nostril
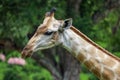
x=26 y=53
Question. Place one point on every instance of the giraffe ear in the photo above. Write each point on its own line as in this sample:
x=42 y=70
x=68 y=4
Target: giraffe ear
x=67 y=23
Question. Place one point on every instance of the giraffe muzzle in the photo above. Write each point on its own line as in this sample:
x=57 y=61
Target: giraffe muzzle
x=27 y=51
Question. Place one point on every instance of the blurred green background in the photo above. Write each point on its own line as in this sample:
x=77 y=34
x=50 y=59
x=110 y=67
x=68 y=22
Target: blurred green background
x=98 y=19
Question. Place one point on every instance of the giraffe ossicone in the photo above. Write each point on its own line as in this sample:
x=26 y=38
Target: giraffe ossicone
x=54 y=32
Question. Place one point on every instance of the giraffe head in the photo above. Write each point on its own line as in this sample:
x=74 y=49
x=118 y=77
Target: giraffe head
x=48 y=34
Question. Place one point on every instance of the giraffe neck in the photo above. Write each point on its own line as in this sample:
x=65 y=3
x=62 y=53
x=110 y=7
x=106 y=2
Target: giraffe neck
x=99 y=61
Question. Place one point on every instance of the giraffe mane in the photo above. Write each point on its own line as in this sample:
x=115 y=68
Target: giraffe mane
x=93 y=43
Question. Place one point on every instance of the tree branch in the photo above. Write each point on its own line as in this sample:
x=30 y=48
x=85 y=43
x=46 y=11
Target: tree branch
x=48 y=65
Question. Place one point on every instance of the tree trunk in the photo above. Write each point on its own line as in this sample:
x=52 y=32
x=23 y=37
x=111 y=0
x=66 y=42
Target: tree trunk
x=69 y=65
x=73 y=7
x=61 y=64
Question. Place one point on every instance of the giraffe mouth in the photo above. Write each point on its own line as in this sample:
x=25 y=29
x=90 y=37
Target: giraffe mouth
x=46 y=46
x=43 y=47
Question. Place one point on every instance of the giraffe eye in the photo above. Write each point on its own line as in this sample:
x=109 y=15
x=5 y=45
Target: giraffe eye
x=48 y=33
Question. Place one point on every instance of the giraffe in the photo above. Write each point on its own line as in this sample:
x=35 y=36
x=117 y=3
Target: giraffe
x=54 y=32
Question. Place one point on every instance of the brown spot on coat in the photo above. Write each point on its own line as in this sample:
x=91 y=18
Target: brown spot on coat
x=108 y=74
x=80 y=57
x=96 y=71
x=90 y=63
x=109 y=62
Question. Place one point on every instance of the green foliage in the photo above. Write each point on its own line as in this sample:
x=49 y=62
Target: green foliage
x=20 y=18
x=117 y=54
x=30 y=71
x=84 y=76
